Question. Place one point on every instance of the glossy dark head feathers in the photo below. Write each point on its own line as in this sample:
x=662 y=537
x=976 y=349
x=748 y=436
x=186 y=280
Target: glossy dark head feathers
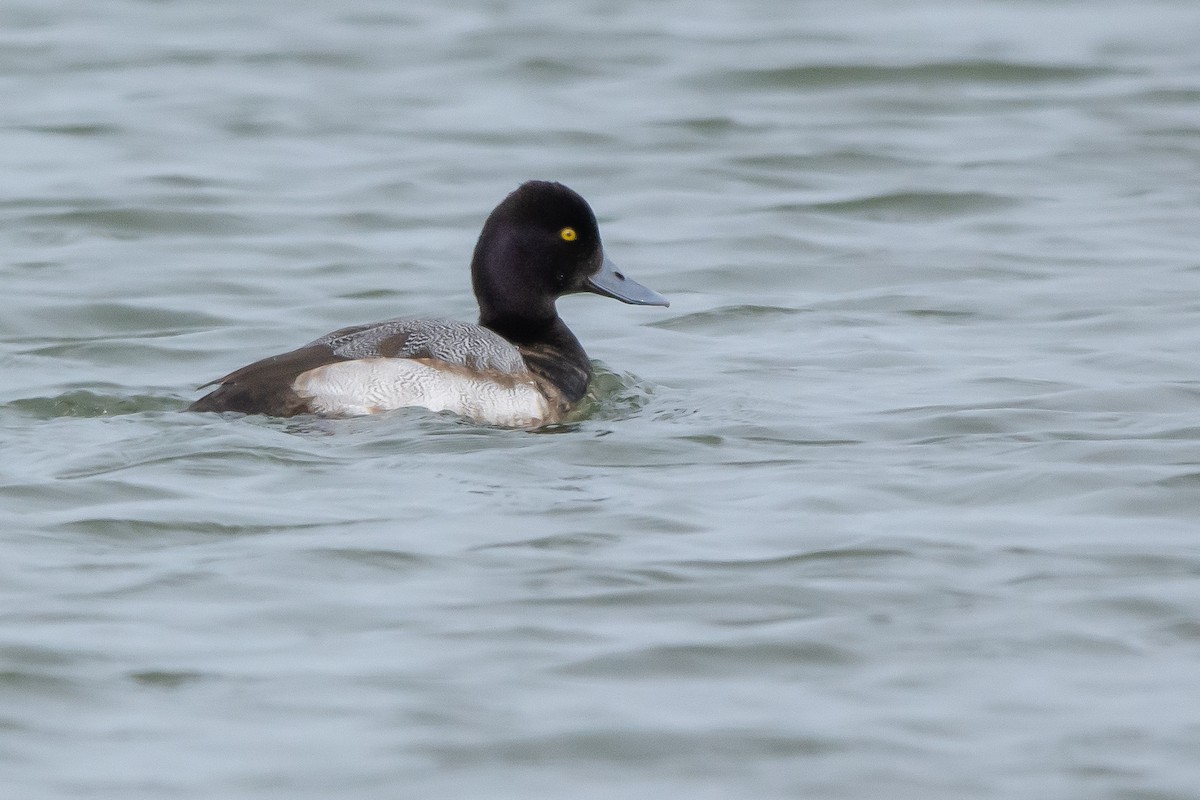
x=551 y=205
x=540 y=243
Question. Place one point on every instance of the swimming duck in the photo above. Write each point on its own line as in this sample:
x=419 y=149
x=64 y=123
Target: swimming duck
x=519 y=367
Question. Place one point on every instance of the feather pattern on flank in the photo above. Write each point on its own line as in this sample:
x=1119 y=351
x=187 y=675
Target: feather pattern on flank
x=375 y=385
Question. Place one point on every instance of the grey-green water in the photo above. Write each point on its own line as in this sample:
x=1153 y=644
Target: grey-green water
x=899 y=498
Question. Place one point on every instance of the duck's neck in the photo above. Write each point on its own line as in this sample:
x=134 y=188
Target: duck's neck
x=550 y=350
x=516 y=293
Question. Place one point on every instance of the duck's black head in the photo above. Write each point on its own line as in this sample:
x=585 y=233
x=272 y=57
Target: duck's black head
x=540 y=243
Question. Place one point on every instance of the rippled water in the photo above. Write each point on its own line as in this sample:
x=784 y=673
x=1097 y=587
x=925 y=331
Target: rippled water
x=899 y=498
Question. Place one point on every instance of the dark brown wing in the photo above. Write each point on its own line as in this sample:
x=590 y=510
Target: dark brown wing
x=265 y=387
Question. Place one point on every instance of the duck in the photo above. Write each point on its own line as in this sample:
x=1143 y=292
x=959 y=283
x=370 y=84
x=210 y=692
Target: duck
x=519 y=366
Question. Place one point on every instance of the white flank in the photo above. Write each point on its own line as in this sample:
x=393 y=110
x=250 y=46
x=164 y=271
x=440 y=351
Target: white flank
x=374 y=385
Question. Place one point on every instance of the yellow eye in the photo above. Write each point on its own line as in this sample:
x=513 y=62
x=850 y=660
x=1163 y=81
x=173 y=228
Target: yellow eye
x=568 y=234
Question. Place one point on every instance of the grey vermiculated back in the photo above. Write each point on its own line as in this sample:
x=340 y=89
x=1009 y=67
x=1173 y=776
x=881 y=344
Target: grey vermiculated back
x=452 y=341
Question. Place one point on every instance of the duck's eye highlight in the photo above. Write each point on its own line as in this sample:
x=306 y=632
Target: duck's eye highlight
x=568 y=234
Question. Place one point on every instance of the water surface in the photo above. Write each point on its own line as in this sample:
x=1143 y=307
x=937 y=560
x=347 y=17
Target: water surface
x=899 y=498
